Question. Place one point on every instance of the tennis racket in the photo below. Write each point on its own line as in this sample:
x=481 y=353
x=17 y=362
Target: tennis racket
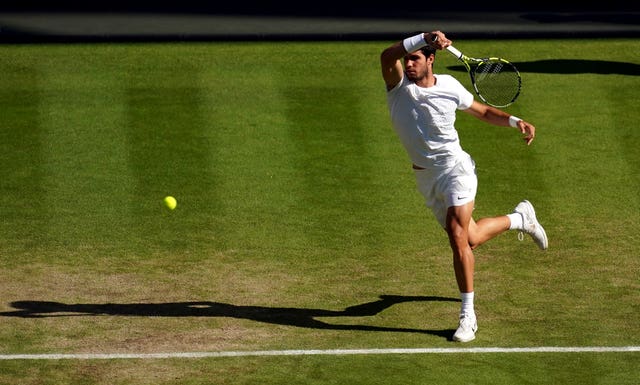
x=496 y=81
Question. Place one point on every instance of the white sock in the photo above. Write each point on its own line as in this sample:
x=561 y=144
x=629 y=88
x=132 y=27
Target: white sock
x=467 y=304
x=516 y=221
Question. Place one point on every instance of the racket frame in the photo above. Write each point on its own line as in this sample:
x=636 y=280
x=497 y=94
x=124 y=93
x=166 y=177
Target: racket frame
x=471 y=64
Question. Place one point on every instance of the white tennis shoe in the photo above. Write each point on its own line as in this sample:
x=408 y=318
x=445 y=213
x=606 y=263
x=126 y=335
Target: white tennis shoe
x=531 y=225
x=467 y=329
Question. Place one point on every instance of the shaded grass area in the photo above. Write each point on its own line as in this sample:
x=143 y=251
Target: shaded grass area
x=296 y=203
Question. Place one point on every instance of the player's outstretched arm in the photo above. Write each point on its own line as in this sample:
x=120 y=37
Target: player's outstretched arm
x=498 y=117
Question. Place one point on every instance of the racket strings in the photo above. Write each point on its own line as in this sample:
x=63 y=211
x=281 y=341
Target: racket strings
x=497 y=82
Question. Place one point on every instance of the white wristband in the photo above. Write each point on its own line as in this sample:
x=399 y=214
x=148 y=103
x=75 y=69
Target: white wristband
x=513 y=121
x=414 y=43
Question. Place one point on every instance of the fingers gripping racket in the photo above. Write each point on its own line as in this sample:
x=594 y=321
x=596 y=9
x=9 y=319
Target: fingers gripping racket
x=496 y=81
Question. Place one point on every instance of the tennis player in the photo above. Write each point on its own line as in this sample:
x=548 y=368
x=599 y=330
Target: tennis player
x=423 y=109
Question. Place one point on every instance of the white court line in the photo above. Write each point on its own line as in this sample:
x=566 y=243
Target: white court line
x=331 y=352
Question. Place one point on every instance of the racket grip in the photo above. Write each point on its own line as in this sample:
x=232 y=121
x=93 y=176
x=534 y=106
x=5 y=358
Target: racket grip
x=454 y=51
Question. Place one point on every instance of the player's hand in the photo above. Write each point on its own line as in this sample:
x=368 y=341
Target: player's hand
x=528 y=131
x=438 y=40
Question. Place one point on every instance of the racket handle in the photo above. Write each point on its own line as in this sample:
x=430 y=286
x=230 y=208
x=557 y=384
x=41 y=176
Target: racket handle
x=454 y=51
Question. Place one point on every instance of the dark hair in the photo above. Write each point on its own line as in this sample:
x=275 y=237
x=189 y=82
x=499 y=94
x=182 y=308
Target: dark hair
x=427 y=50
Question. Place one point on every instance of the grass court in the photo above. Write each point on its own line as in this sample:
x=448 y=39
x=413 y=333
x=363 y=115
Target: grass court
x=298 y=225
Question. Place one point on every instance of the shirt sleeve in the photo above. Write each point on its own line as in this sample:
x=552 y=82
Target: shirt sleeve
x=465 y=98
x=397 y=86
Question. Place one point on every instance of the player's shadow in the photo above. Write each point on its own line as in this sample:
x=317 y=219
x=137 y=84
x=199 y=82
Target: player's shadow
x=571 y=66
x=299 y=317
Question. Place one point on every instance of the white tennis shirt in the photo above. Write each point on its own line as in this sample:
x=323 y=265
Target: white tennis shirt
x=424 y=119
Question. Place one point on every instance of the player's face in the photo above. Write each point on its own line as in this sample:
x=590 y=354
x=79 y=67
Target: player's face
x=415 y=65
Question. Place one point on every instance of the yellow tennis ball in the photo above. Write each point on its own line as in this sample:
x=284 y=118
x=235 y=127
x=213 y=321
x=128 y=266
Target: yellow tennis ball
x=170 y=202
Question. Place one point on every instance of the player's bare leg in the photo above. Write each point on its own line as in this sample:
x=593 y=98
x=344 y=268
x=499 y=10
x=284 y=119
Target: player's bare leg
x=486 y=229
x=458 y=221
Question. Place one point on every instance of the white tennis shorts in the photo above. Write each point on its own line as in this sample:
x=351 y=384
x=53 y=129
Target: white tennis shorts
x=443 y=188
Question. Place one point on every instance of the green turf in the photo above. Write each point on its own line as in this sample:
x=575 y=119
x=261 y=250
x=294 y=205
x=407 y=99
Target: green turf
x=296 y=202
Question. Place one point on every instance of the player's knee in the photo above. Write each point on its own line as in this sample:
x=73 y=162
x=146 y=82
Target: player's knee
x=456 y=231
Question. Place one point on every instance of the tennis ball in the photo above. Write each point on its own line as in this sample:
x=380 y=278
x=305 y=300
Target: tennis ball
x=170 y=202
